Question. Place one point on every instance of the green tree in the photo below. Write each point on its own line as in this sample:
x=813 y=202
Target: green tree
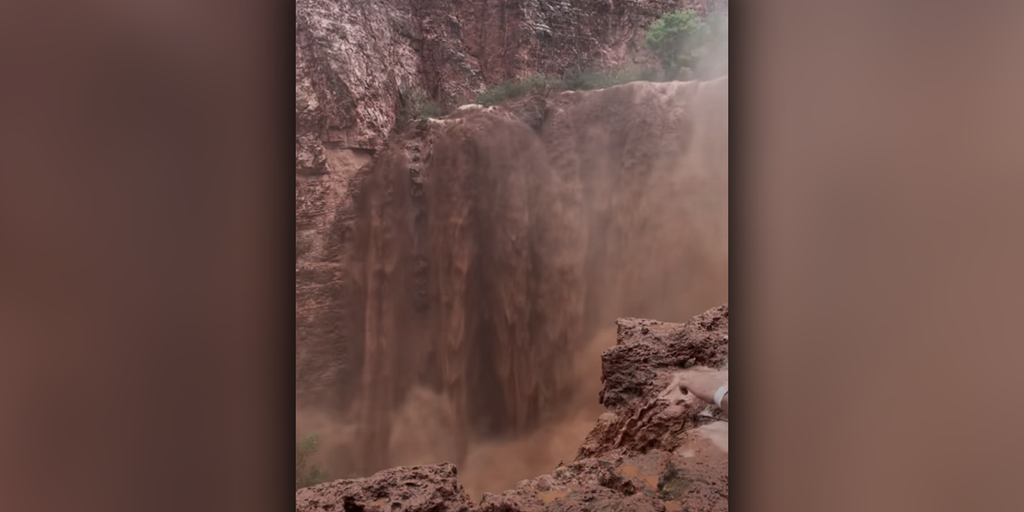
x=306 y=473
x=676 y=38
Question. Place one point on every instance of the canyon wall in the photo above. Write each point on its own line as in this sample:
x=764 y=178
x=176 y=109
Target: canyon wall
x=447 y=271
x=356 y=61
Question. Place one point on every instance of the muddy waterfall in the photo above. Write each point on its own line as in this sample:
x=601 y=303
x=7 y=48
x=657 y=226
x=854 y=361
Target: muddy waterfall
x=471 y=260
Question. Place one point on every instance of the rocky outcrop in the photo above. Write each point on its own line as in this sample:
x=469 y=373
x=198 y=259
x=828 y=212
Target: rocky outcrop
x=406 y=489
x=640 y=367
x=653 y=451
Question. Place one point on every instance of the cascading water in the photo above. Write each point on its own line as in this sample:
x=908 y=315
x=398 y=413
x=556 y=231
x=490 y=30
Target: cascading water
x=482 y=257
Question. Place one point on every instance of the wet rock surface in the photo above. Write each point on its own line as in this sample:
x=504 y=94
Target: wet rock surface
x=640 y=367
x=431 y=488
x=645 y=453
x=652 y=450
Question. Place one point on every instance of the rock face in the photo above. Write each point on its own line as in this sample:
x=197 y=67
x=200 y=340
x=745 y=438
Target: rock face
x=357 y=63
x=351 y=60
x=407 y=489
x=646 y=454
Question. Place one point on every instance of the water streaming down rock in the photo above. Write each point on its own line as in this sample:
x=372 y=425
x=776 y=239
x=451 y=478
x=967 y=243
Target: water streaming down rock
x=478 y=254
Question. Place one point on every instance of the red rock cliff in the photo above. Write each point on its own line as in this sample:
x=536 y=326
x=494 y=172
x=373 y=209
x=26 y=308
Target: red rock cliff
x=353 y=61
x=469 y=257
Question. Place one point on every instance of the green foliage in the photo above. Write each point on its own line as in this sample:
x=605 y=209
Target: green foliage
x=577 y=80
x=306 y=473
x=676 y=38
x=416 y=104
x=516 y=89
x=429 y=110
x=585 y=80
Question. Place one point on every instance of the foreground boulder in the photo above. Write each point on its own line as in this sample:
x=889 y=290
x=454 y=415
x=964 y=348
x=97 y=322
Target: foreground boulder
x=639 y=368
x=404 y=489
x=655 y=450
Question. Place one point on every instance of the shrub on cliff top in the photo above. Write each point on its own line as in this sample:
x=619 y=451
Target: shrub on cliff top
x=307 y=474
x=430 y=110
x=585 y=80
x=675 y=39
x=416 y=104
x=516 y=88
x=576 y=80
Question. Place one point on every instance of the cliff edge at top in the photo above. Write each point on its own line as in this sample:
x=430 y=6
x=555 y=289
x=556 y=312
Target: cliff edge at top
x=355 y=59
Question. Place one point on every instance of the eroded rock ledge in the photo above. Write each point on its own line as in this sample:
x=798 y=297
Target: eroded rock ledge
x=644 y=454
